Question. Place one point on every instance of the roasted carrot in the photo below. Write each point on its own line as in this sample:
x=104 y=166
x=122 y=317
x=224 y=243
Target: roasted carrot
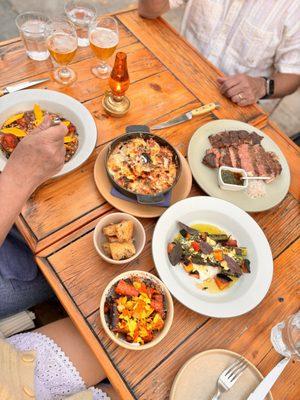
x=125 y=289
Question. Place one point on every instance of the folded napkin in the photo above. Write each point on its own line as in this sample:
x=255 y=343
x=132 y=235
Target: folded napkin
x=16 y=323
x=165 y=203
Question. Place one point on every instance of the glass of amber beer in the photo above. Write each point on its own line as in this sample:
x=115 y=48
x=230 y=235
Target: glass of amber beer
x=62 y=45
x=104 y=38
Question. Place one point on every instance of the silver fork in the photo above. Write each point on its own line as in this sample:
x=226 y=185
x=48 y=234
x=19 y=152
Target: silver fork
x=229 y=376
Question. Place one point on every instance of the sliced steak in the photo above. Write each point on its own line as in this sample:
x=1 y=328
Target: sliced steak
x=237 y=157
x=225 y=157
x=254 y=160
x=274 y=163
x=212 y=158
x=246 y=158
x=234 y=138
x=242 y=149
x=262 y=164
x=233 y=156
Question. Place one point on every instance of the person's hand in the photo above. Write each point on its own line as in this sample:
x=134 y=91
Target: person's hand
x=242 y=89
x=38 y=156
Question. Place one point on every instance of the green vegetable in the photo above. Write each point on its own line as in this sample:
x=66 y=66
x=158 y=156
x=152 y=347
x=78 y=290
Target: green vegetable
x=219 y=237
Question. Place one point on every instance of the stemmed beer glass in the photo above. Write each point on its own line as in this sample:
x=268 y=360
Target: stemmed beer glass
x=62 y=45
x=104 y=38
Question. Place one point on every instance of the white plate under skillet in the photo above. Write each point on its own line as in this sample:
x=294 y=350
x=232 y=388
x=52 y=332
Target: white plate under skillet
x=207 y=178
x=248 y=291
x=55 y=102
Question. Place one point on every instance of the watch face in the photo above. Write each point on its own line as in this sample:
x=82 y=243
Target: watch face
x=271 y=87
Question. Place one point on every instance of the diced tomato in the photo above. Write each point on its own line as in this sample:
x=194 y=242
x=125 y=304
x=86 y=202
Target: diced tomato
x=125 y=289
x=196 y=246
x=9 y=142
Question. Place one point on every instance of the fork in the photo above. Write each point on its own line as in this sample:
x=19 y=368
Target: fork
x=229 y=376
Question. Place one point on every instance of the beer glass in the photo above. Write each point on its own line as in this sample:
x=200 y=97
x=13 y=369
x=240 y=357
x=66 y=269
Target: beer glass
x=104 y=38
x=62 y=45
x=82 y=13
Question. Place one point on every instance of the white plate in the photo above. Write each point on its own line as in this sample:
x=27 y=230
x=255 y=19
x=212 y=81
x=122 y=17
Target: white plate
x=207 y=178
x=249 y=290
x=55 y=102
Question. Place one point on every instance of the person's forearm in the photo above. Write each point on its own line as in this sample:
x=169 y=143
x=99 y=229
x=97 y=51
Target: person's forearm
x=153 y=8
x=13 y=194
x=285 y=84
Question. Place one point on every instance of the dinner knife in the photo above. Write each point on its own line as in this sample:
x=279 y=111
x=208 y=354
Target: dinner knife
x=187 y=116
x=266 y=384
x=22 y=85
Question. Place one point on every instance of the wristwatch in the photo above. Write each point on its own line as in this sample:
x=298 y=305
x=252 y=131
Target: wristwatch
x=270 y=87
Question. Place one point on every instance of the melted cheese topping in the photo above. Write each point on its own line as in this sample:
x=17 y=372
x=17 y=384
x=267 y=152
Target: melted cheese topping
x=142 y=166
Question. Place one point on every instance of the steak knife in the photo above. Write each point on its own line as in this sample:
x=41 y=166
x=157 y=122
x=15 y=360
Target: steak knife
x=187 y=116
x=265 y=385
x=22 y=85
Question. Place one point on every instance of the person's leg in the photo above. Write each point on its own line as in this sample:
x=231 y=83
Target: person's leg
x=67 y=337
x=16 y=296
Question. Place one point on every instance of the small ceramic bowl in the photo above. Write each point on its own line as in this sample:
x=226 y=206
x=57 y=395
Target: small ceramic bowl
x=169 y=306
x=139 y=235
x=227 y=186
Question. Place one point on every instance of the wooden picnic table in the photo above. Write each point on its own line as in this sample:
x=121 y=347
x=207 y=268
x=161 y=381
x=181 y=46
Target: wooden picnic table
x=168 y=77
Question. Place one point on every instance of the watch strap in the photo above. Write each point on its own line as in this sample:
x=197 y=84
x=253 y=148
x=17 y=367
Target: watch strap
x=270 y=87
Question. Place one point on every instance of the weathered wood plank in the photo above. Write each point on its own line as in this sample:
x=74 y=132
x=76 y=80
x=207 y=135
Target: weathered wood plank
x=150 y=98
x=281 y=224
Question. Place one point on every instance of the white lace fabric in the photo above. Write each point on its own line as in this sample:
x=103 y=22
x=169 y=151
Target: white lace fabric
x=55 y=376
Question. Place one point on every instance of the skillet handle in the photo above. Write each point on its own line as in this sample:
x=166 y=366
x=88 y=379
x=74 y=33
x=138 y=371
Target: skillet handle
x=137 y=129
x=150 y=200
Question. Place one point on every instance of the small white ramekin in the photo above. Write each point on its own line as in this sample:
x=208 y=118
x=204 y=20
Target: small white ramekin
x=228 y=186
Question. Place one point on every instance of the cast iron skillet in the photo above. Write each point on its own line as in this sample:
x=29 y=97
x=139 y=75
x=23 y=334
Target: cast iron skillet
x=142 y=131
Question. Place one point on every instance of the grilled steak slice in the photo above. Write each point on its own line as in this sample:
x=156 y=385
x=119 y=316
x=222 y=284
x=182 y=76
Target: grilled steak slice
x=225 y=157
x=246 y=158
x=234 y=138
x=212 y=158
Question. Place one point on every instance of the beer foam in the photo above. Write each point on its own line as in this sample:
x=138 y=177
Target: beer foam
x=62 y=43
x=104 y=37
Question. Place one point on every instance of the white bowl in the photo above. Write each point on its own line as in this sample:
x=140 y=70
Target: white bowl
x=169 y=305
x=228 y=186
x=248 y=291
x=55 y=102
x=139 y=235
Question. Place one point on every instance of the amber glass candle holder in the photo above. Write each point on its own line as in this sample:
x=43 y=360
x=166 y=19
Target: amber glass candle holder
x=115 y=102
